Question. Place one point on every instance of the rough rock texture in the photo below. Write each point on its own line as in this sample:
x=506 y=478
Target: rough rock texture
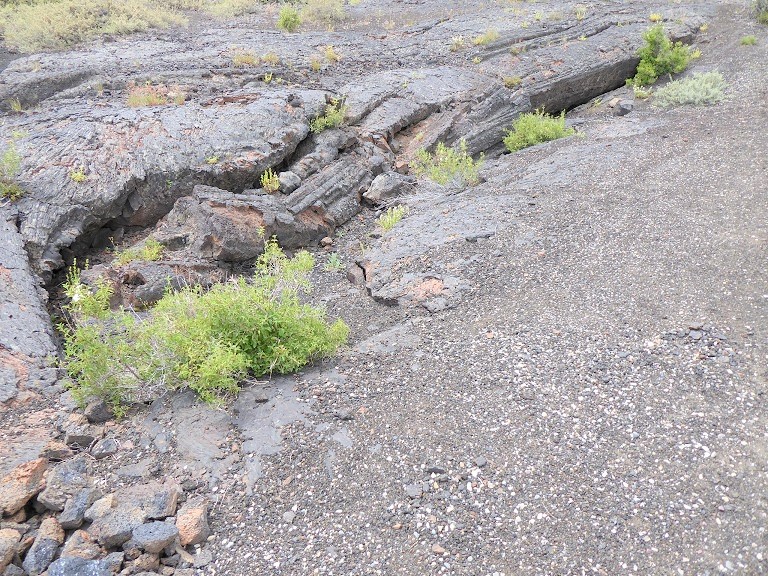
x=154 y=536
x=17 y=487
x=79 y=567
x=49 y=537
x=8 y=540
x=192 y=523
x=63 y=482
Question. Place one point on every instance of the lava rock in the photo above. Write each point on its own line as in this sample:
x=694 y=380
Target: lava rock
x=8 y=540
x=155 y=536
x=75 y=507
x=65 y=479
x=78 y=567
x=387 y=186
x=18 y=486
x=49 y=538
x=97 y=412
x=104 y=448
x=192 y=522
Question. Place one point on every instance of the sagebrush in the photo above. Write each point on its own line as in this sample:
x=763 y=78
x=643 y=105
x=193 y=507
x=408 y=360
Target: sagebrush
x=698 y=90
x=206 y=340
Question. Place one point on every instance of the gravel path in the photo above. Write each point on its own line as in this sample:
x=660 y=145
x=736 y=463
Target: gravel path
x=596 y=403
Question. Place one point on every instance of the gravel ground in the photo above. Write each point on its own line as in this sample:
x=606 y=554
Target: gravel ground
x=595 y=404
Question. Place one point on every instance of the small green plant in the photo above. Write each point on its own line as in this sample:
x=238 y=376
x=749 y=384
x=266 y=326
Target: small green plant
x=659 y=55
x=315 y=64
x=534 y=128
x=333 y=117
x=78 y=175
x=289 y=19
x=698 y=90
x=580 y=11
x=391 y=217
x=642 y=93
x=211 y=160
x=330 y=54
x=10 y=166
x=512 y=81
x=16 y=106
x=334 y=263
x=268 y=77
x=448 y=164
x=486 y=37
x=150 y=251
x=458 y=43
x=655 y=17
x=206 y=341
x=245 y=58
x=269 y=181
x=748 y=41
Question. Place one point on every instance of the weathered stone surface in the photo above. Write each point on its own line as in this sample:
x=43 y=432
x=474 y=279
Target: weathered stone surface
x=17 y=487
x=97 y=412
x=64 y=480
x=387 y=186
x=117 y=525
x=49 y=537
x=8 y=540
x=104 y=448
x=154 y=536
x=81 y=545
x=75 y=507
x=78 y=567
x=192 y=522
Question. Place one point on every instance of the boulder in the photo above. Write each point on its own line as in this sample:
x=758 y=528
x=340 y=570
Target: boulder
x=66 y=478
x=387 y=186
x=23 y=482
x=192 y=522
x=78 y=567
x=49 y=537
x=154 y=536
x=8 y=540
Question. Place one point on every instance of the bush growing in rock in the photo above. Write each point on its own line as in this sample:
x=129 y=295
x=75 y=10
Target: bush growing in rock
x=761 y=11
x=698 y=90
x=205 y=341
x=447 y=164
x=534 y=128
x=659 y=55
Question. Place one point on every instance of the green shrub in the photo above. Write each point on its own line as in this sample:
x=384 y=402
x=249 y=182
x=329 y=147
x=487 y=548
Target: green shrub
x=333 y=117
x=10 y=166
x=659 y=55
x=760 y=8
x=534 y=128
x=270 y=181
x=748 y=41
x=699 y=89
x=391 y=217
x=448 y=164
x=289 y=19
x=207 y=341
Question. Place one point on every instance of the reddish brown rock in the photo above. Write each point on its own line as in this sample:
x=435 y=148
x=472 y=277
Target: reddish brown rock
x=20 y=485
x=81 y=545
x=192 y=522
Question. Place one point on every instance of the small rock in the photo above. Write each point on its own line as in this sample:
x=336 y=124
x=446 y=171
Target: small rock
x=8 y=540
x=527 y=394
x=326 y=242
x=289 y=181
x=481 y=461
x=113 y=561
x=18 y=486
x=289 y=517
x=65 y=479
x=695 y=334
x=624 y=107
x=49 y=537
x=192 y=522
x=117 y=525
x=100 y=507
x=413 y=490
x=146 y=563
x=355 y=275
x=155 y=536
x=81 y=545
x=75 y=507
x=13 y=570
x=437 y=549
x=97 y=412
x=203 y=558
x=104 y=448
x=386 y=186
x=56 y=450
x=78 y=567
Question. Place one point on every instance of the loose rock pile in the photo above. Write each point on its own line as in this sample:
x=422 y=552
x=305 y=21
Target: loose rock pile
x=55 y=518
